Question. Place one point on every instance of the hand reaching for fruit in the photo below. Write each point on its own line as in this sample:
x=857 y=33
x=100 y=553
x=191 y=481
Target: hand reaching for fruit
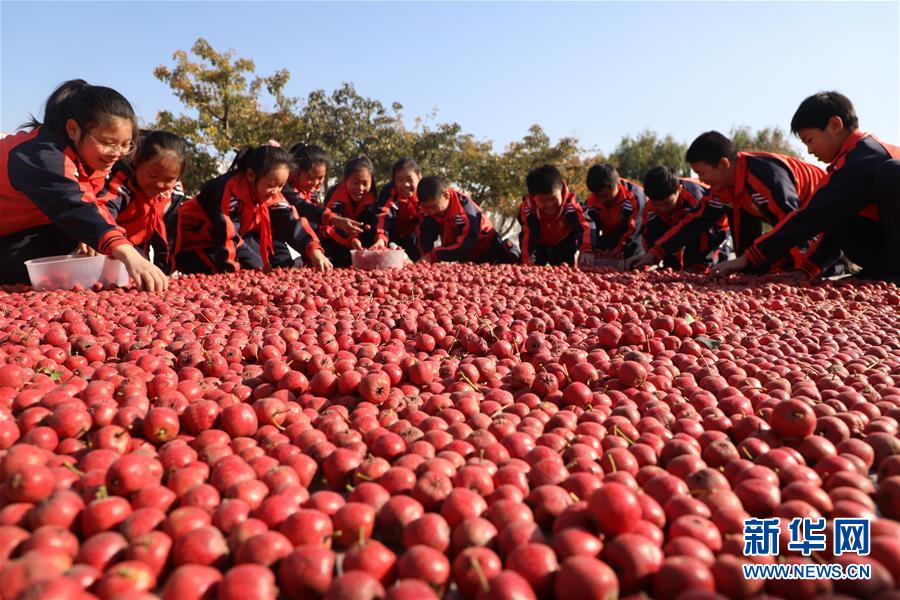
x=145 y=274
x=641 y=261
x=378 y=245
x=85 y=250
x=355 y=244
x=347 y=226
x=728 y=267
x=586 y=259
x=319 y=261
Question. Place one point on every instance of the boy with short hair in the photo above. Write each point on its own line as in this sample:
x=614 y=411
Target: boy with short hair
x=750 y=188
x=670 y=200
x=614 y=207
x=466 y=234
x=554 y=226
x=856 y=206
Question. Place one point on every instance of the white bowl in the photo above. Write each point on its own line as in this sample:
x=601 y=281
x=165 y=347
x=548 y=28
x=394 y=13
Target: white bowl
x=372 y=260
x=67 y=271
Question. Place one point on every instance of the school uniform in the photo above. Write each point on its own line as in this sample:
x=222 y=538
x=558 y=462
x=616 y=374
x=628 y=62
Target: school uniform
x=148 y=221
x=337 y=244
x=767 y=187
x=856 y=208
x=553 y=239
x=401 y=219
x=223 y=229
x=617 y=225
x=466 y=235
x=50 y=202
x=699 y=254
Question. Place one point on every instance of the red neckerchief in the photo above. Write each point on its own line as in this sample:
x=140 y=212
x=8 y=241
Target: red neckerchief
x=407 y=210
x=254 y=213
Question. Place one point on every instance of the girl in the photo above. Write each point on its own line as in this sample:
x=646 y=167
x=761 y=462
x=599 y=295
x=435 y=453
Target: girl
x=355 y=197
x=54 y=179
x=150 y=194
x=304 y=188
x=399 y=201
x=236 y=217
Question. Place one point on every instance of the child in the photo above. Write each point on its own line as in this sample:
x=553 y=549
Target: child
x=354 y=197
x=466 y=234
x=233 y=221
x=150 y=195
x=750 y=188
x=399 y=201
x=304 y=187
x=52 y=179
x=857 y=205
x=614 y=206
x=553 y=224
x=670 y=200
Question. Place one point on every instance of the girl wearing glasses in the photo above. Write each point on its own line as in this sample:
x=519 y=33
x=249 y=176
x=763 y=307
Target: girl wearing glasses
x=54 y=180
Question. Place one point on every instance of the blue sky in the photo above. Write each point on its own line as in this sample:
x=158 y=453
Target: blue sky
x=597 y=71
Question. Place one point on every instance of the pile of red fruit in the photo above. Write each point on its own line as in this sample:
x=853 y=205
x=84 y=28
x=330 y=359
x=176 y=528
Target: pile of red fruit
x=471 y=432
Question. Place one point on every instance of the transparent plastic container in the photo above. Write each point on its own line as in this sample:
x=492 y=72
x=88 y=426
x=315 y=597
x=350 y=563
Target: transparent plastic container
x=67 y=271
x=616 y=264
x=373 y=260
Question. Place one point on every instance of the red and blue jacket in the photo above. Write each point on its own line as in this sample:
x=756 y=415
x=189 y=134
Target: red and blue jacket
x=43 y=181
x=225 y=210
x=465 y=232
x=401 y=214
x=690 y=199
x=308 y=204
x=540 y=230
x=843 y=193
x=617 y=225
x=366 y=211
x=767 y=187
x=142 y=216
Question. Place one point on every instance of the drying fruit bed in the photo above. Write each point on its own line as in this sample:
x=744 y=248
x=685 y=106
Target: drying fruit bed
x=443 y=431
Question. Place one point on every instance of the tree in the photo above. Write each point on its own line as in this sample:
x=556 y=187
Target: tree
x=228 y=106
x=633 y=157
x=769 y=139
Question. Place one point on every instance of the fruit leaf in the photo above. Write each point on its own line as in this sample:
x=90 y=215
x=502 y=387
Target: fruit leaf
x=54 y=374
x=709 y=343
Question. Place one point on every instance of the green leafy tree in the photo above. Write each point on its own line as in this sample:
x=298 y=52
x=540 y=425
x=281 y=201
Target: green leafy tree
x=225 y=100
x=634 y=156
x=769 y=139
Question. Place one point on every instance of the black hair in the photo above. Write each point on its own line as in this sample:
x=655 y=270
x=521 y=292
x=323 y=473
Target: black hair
x=543 y=180
x=660 y=182
x=360 y=163
x=711 y=147
x=601 y=177
x=89 y=105
x=261 y=159
x=405 y=163
x=815 y=111
x=306 y=156
x=154 y=143
x=430 y=187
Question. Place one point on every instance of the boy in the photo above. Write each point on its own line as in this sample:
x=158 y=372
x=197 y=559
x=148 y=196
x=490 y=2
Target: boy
x=466 y=234
x=857 y=205
x=614 y=207
x=553 y=224
x=670 y=200
x=750 y=188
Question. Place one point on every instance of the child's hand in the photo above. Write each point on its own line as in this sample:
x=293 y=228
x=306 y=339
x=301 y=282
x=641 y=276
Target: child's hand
x=426 y=259
x=730 y=266
x=378 y=244
x=85 y=250
x=641 y=261
x=146 y=275
x=355 y=244
x=586 y=259
x=319 y=261
x=347 y=226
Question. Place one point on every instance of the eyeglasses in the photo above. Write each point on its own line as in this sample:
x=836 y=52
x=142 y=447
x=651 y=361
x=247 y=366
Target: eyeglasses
x=123 y=150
